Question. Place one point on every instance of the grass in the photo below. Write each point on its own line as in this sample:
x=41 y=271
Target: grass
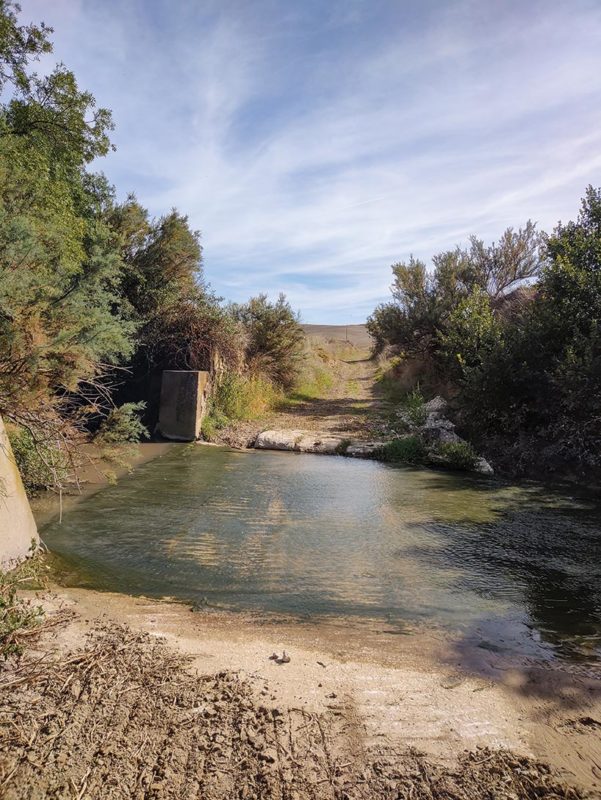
x=315 y=381
x=239 y=398
x=405 y=450
x=458 y=455
x=387 y=383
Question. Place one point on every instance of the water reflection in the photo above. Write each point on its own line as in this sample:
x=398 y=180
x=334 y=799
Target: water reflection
x=313 y=535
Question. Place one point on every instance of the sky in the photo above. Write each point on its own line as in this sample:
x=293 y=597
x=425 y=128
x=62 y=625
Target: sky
x=314 y=143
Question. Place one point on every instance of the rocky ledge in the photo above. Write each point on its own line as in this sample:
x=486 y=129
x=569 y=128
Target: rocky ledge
x=433 y=430
x=302 y=441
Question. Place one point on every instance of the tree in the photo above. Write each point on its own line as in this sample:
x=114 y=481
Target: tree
x=19 y=45
x=181 y=324
x=418 y=318
x=61 y=317
x=274 y=338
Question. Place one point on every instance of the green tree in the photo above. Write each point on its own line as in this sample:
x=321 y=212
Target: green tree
x=61 y=315
x=274 y=338
x=419 y=316
x=19 y=45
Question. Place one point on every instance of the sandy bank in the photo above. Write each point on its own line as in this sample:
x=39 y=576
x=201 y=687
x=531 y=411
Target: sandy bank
x=373 y=692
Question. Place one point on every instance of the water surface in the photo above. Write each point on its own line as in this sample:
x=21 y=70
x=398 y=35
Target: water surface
x=513 y=567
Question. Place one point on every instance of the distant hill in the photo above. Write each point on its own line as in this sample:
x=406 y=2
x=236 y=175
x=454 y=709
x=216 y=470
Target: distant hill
x=355 y=334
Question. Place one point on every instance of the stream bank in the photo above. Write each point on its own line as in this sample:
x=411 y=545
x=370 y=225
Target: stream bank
x=339 y=720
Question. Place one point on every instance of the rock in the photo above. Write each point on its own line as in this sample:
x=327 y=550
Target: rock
x=279 y=440
x=363 y=449
x=436 y=420
x=319 y=443
x=483 y=467
x=300 y=441
x=404 y=418
x=438 y=405
x=434 y=434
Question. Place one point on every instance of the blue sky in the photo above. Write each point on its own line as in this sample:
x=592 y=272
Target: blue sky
x=316 y=143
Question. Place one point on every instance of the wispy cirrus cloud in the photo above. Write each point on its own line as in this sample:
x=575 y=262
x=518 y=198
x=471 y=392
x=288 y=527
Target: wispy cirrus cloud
x=315 y=144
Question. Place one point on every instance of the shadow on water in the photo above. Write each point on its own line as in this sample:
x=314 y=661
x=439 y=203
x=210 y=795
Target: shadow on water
x=546 y=544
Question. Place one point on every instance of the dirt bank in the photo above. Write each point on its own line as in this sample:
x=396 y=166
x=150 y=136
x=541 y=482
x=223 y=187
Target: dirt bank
x=110 y=704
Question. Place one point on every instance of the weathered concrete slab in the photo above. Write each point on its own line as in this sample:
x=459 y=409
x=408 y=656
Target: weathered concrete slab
x=18 y=530
x=279 y=440
x=183 y=403
x=313 y=442
x=302 y=441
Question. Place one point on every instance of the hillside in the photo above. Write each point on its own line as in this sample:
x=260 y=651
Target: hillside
x=356 y=335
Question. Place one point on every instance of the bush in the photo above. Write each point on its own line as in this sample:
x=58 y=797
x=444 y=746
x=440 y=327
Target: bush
x=275 y=339
x=123 y=425
x=42 y=464
x=415 y=406
x=406 y=450
x=458 y=455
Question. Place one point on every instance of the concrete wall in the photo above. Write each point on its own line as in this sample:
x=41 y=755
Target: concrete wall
x=184 y=396
x=17 y=525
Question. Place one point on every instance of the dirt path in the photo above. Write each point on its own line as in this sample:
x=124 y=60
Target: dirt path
x=105 y=709
x=348 y=408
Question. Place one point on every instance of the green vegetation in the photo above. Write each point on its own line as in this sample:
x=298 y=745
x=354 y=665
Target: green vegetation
x=239 y=398
x=414 y=405
x=96 y=296
x=314 y=377
x=405 y=450
x=387 y=383
x=40 y=463
x=513 y=331
x=19 y=617
x=123 y=425
x=274 y=339
x=458 y=455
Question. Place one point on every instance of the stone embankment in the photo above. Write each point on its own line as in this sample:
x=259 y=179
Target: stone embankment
x=433 y=430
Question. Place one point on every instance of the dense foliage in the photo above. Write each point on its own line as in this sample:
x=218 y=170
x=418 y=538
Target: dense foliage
x=274 y=338
x=97 y=297
x=515 y=332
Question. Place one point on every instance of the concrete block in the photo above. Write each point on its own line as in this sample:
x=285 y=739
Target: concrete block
x=183 y=403
x=17 y=526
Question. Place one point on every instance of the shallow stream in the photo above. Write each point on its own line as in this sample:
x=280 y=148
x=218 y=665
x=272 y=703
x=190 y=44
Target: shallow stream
x=513 y=568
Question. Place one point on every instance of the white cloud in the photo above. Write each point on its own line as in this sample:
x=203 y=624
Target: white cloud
x=314 y=150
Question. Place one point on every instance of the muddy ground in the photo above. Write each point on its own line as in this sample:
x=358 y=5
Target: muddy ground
x=125 y=716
